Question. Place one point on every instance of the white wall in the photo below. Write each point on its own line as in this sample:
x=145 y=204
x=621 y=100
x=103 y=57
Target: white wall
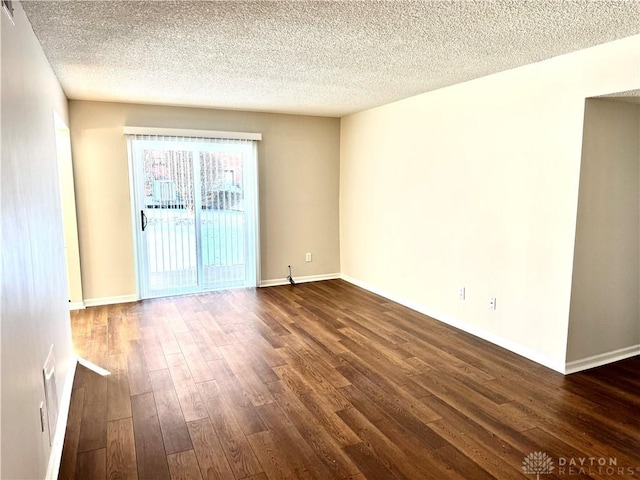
x=476 y=185
x=605 y=308
x=34 y=287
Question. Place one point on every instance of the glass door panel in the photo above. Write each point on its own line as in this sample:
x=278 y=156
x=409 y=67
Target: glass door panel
x=223 y=217
x=168 y=218
x=198 y=214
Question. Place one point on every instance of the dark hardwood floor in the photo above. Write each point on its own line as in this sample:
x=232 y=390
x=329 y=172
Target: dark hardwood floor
x=325 y=380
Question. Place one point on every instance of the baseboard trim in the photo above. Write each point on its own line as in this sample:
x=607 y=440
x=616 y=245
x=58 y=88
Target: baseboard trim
x=505 y=343
x=96 y=302
x=55 y=456
x=77 y=306
x=309 y=278
x=602 y=359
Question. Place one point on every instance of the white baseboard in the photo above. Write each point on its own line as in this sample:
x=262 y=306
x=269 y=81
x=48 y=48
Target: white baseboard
x=491 y=337
x=55 y=455
x=76 y=306
x=602 y=359
x=95 y=302
x=309 y=278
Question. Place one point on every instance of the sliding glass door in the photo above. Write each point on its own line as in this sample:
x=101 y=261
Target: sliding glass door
x=196 y=209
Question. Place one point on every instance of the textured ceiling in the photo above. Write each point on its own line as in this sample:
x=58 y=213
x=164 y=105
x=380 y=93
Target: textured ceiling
x=630 y=96
x=322 y=58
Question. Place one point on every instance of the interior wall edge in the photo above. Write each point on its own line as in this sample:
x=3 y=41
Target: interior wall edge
x=601 y=359
x=604 y=310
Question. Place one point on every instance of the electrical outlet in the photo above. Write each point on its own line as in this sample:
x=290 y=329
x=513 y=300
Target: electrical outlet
x=461 y=293
x=307 y=257
x=492 y=303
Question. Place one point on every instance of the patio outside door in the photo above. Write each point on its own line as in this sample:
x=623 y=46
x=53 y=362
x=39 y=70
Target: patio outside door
x=196 y=214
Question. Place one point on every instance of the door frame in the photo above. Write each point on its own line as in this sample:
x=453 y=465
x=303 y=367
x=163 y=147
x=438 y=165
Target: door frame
x=69 y=213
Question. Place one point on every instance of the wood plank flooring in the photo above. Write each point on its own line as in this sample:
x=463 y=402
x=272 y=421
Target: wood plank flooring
x=325 y=380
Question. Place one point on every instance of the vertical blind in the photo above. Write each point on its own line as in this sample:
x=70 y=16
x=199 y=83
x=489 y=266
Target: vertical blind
x=196 y=212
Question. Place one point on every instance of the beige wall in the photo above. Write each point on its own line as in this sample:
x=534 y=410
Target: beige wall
x=605 y=296
x=299 y=181
x=476 y=186
x=34 y=310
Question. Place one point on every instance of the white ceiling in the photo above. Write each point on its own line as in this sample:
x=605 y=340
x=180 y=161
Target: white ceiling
x=321 y=58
